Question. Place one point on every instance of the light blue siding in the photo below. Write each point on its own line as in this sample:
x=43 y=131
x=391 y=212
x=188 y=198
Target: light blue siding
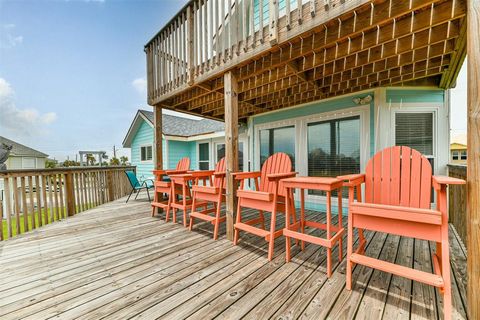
x=408 y=96
x=180 y=149
x=320 y=107
x=176 y=151
x=143 y=136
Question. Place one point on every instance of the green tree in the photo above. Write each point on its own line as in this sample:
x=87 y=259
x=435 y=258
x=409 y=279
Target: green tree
x=123 y=160
x=114 y=161
x=90 y=159
x=70 y=163
x=51 y=163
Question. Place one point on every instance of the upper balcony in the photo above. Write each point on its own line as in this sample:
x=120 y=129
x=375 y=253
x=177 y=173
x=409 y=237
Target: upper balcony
x=286 y=52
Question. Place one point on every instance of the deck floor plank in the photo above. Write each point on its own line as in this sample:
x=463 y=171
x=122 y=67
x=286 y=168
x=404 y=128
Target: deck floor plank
x=115 y=261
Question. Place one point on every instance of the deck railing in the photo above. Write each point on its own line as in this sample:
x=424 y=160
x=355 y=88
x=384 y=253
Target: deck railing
x=457 y=203
x=209 y=36
x=32 y=198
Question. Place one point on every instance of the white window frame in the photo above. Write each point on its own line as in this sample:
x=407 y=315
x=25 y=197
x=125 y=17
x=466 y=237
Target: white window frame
x=241 y=139
x=146 y=146
x=455 y=155
x=419 y=108
x=209 y=154
x=301 y=145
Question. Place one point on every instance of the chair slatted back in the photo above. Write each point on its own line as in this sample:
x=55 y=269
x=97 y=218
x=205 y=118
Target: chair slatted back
x=399 y=176
x=277 y=163
x=183 y=164
x=221 y=166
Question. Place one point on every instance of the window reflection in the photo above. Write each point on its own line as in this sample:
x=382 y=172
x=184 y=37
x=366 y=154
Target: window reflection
x=277 y=140
x=334 y=148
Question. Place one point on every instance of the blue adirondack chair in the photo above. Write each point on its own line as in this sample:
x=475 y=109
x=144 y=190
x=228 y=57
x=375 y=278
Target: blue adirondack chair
x=137 y=185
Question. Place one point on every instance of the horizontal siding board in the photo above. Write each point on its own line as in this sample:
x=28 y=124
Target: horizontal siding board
x=419 y=96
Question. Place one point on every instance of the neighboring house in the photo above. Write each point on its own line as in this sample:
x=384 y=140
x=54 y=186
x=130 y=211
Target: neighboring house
x=458 y=153
x=23 y=157
x=201 y=140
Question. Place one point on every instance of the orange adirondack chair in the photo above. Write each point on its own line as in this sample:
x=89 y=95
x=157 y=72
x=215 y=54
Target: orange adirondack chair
x=398 y=182
x=268 y=196
x=214 y=193
x=165 y=187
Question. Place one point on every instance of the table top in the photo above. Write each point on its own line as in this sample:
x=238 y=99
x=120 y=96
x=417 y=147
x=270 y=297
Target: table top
x=313 y=183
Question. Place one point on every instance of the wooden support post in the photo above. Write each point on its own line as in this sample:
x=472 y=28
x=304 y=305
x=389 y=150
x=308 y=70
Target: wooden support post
x=190 y=45
x=70 y=194
x=158 y=138
x=473 y=162
x=231 y=147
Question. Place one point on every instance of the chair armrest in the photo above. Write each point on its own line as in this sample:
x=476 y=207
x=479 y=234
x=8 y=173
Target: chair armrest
x=159 y=172
x=171 y=172
x=202 y=173
x=438 y=181
x=246 y=175
x=219 y=174
x=279 y=176
x=352 y=180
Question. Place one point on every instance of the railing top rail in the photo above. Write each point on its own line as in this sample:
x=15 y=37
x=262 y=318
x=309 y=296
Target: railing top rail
x=4 y=173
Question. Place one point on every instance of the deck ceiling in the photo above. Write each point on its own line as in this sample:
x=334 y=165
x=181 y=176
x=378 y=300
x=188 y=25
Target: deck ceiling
x=381 y=43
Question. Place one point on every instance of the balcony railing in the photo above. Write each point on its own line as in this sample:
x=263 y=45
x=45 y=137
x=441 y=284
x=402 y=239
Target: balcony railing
x=30 y=199
x=208 y=37
x=457 y=201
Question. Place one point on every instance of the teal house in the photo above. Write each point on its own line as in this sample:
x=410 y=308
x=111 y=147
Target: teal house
x=182 y=137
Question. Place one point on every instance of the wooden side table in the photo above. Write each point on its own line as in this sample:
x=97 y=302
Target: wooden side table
x=297 y=230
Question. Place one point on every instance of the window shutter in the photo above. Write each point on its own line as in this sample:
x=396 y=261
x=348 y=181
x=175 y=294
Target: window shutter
x=415 y=130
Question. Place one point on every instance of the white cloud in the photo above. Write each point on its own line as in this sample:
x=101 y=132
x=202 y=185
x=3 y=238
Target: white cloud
x=16 y=122
x=8 y=39
x=140 y=84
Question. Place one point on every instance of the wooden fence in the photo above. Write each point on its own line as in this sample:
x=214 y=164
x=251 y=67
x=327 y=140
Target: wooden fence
x=457 y=205
x=32 y=198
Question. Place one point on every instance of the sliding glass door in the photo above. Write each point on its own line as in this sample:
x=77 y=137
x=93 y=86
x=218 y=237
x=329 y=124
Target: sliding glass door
x=333 y=147
x=277 y=140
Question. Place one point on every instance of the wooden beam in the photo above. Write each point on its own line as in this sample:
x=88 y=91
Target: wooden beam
x=158 y=138
x=473 y=162
x=231 y=147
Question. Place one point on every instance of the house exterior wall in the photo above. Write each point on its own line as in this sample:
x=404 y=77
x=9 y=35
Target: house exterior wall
x=377 y=125
x=172 y=150
x=144 y=137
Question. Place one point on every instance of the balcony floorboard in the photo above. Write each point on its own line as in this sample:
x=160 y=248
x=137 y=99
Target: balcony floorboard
x=116 y=262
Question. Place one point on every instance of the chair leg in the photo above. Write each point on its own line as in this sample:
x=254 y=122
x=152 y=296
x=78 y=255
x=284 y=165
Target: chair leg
x=184 y=204
x=262 y=217
x=272 y=232
x=129 y=195
x=349 y=252
x=237 y=220
x=190 y=224
x=447 y=290
x=169 y=206
x=148 y=195
x=217 y=221
x=138 y=192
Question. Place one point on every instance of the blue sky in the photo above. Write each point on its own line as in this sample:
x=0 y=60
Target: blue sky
x=72 y=73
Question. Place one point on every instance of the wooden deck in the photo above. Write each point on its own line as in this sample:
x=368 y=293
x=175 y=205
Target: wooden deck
x=117 y=262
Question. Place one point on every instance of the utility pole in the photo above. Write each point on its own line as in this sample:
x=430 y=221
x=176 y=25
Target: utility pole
x=114 y=151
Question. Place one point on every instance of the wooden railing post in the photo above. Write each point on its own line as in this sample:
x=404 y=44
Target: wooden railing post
x=273 y=24
x=70 y=194
x=473 y=162
x=231 y=147
x=110 y=186
x=190 y=47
